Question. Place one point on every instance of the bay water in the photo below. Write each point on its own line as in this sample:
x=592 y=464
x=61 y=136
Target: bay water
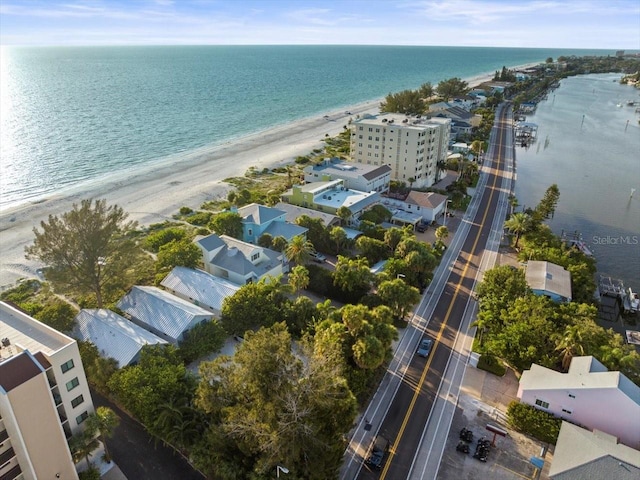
x=589 y=145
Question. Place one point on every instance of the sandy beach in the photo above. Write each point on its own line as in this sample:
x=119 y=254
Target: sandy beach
x=155 y=193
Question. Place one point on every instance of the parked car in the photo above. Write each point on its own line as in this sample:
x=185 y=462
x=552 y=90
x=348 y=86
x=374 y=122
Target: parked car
x=421 y=227
x=318 y=257
x=379 y=450
x=424 y=349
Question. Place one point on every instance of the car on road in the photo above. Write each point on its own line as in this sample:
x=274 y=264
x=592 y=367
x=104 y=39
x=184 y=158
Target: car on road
x=424 y=349
x=379 y=450
x=318 y=257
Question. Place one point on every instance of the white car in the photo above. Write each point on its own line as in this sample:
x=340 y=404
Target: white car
x=318 y=257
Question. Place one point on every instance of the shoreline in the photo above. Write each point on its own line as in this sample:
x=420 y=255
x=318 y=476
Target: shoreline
x=154 y=192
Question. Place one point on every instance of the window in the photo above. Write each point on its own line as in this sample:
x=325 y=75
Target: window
x=542 y=404
x=250 y=232
x=566 y=411
x=572 y=396
x=82 y=417
x=72 y=384
x=255 y=256
x=67 y=366
x=77 y=401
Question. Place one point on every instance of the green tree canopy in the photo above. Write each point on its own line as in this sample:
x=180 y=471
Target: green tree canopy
x=519 y=223
x=178 y=253
x=227 y=223
x=102 y=422
x=86 y=248
x=156 y=239
x=406 y=101
x=398 y=296
x=352 y=274
x=453 y=87
x=277 y=409
x=299 y=250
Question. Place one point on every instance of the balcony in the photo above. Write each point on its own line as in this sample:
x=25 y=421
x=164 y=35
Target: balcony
x=6 y=456
x=3 y=435
x=12 y=474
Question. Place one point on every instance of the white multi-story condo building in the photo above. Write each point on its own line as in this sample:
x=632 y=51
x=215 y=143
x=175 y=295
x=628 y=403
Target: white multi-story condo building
x=411 y=146
x=44 y=398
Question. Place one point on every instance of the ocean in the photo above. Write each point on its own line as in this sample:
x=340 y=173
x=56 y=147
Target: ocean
x=588 y=144
x=69 y=115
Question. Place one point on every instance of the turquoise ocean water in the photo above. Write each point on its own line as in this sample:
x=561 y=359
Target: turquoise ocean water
x=72 y=114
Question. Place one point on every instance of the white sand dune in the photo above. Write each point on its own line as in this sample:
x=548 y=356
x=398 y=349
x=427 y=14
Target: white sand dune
x=157 y=192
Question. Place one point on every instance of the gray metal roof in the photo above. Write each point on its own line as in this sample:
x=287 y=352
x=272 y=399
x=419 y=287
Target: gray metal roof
x=113 y=335
x=548 y=277
x=425 y=199
x=202 y=287
x=161 y=310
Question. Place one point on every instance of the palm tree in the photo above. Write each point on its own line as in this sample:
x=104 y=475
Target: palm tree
x=299 y=250
x=411 y=181
x=570 y=345
x=345 y=214
x=519 y=223
x=82 y=445
x=103 y=422
x=442 y=233
x=298 y=278
x=441 y=166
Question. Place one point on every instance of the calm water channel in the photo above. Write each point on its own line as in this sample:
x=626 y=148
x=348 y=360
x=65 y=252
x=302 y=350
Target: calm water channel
x=589 y=145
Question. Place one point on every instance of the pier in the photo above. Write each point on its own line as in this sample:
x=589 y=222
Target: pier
x=525 y=133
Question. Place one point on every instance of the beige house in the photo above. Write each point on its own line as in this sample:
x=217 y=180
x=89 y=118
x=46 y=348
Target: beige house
x=44 y=397
x=411 y=146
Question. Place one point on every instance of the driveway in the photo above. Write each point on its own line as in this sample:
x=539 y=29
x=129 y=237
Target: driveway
x=135 y=452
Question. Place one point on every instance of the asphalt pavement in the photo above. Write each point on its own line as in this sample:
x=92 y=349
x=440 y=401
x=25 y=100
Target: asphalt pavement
x=139 y=455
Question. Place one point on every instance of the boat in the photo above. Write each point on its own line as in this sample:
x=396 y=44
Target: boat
x=619 y=105
x=631 y=301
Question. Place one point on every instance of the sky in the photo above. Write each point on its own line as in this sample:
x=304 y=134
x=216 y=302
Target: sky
x=593 y=24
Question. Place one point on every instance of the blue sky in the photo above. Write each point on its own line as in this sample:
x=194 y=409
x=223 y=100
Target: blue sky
x=607 y=24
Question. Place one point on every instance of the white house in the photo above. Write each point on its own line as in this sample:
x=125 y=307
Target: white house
x=237 y=261
x=428 y=205
x=588 y=395
x=581 y=454
x=356 y=176
x=113 y=335
x=162 y=313
x=199 y=287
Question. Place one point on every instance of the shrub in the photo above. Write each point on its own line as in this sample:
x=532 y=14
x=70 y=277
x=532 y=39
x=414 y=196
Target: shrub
x=491 y=364
x=91 y=474
x=21 y=292
x=156 y=240
x=200 y=218
x=185 y=211
x=204 y=338
x=302 y=160
x=531 y=421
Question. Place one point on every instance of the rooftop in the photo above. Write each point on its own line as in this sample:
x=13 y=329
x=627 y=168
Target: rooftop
x=259 y=214
x=294 y=212
x=425 y=199
x=199 y=285
x=17 y=370
x=161 y=310
x=549 y=277
x=350 y=170
x=584 y=373
x=580 y=454
x=113 y=335
x=30 y=334
x=403 y=121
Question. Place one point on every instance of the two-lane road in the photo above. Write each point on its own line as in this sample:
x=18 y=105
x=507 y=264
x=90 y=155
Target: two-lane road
x=409 y=409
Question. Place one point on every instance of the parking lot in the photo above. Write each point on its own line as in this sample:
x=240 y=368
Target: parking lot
x=483 y=401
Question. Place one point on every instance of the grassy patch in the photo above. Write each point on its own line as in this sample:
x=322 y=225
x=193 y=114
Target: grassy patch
x=491 y=364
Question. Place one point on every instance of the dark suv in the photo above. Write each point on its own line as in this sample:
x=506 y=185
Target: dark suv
x=379 y=450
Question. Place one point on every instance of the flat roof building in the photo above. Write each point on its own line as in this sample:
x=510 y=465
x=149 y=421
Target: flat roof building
x=412 y=147
x=44 y=397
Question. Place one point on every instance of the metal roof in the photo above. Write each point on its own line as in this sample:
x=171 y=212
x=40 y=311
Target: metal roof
x=259 y=214
x=161 y=310
x=202 y=287
x=113 y=335
x=548 y=277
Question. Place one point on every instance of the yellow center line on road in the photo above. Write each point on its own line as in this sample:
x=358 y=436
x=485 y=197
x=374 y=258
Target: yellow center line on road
x=444 y=324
